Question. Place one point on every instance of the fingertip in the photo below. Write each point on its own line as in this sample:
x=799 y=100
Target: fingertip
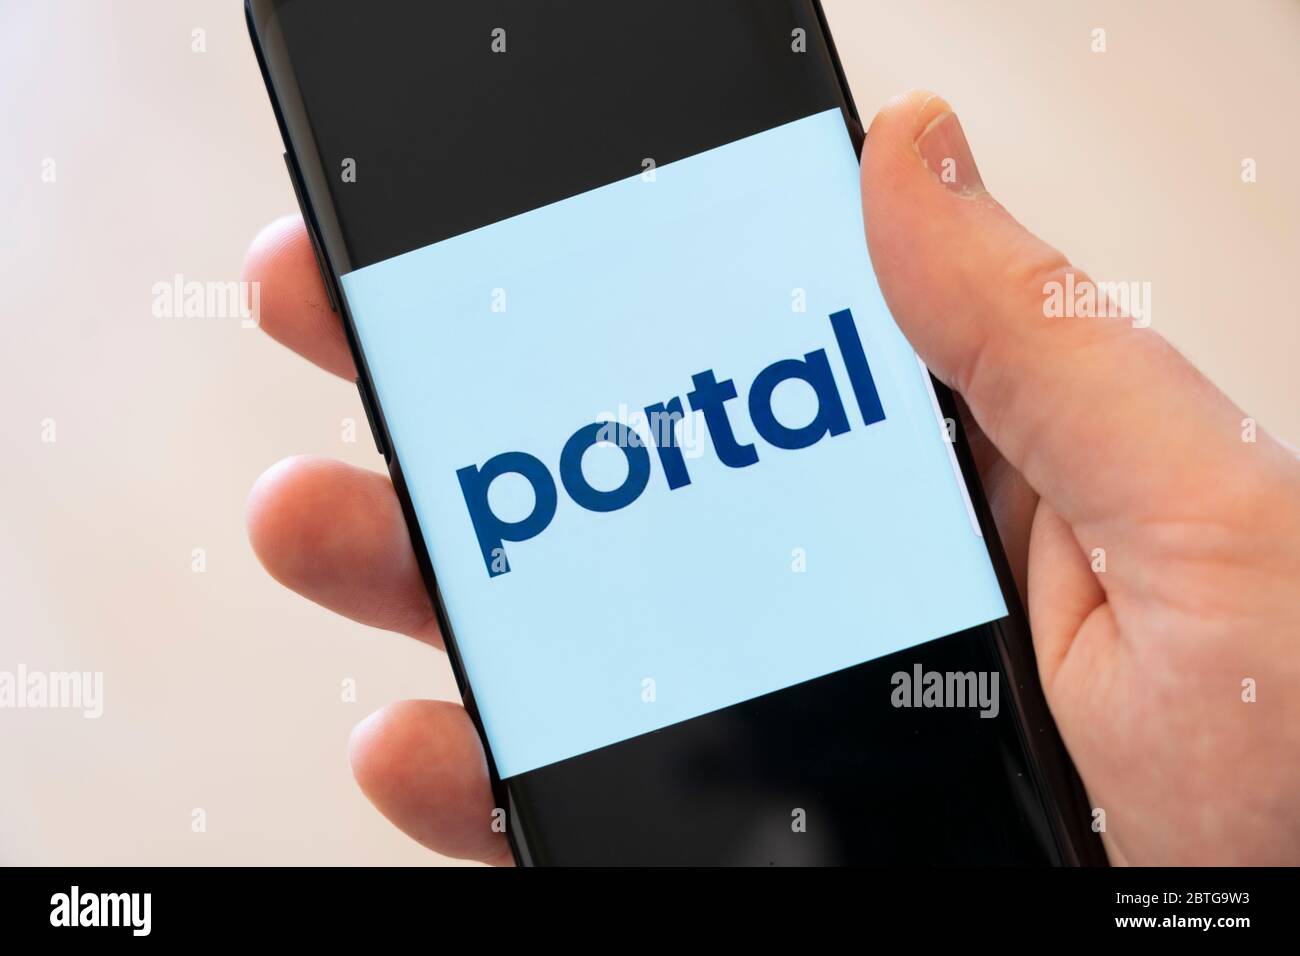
x=294 y=308
x=375 y=747
x=274 y=510
x=270 y=243
x=889 y=148
x=391 y=750
x=336 y=535
x=421 y=764
x=911 y=111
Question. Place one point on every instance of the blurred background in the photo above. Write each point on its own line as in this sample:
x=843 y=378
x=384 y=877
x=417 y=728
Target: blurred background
x=122 y=545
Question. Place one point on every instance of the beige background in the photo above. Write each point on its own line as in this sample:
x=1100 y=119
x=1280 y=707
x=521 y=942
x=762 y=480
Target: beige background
x=223 y=690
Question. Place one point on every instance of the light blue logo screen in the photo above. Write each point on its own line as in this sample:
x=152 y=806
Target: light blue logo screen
x=609 y=571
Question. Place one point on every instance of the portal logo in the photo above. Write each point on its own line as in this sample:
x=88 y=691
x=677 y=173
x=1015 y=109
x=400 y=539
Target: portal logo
x=709 y=398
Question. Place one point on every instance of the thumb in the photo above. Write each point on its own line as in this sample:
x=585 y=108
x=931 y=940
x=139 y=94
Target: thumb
x=1060 y=397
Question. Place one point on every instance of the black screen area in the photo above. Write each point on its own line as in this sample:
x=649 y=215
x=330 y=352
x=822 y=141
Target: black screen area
x=448 y=136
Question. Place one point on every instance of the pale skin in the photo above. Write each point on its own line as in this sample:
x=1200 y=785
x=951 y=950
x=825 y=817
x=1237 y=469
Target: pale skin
x=1090 y=434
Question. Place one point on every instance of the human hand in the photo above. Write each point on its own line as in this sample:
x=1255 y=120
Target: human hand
x=1097 y=441
x=1129 y=448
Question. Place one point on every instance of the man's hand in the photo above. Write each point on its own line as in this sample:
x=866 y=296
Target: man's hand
x=1094 y=437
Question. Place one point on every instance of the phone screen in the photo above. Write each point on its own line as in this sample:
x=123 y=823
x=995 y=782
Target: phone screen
x=690 y=500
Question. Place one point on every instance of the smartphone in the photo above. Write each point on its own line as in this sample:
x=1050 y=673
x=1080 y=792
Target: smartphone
x=712 y=562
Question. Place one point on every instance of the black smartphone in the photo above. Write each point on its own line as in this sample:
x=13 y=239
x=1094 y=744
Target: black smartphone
x=708 y=549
